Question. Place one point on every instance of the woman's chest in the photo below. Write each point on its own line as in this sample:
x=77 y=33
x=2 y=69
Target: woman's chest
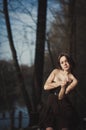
x=62 y=77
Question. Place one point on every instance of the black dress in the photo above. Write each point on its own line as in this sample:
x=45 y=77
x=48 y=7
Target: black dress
x=58 y=113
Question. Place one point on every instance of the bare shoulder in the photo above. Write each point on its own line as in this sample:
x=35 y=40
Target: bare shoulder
x=71 y=76
x=55 y=71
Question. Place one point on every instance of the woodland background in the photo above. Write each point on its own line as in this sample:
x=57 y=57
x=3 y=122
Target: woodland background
x=58 y=26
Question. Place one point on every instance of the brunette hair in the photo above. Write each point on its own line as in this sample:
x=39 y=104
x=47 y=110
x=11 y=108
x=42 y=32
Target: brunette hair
x=69 y=59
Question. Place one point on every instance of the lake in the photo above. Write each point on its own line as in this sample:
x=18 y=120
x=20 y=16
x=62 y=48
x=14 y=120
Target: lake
x=5 y=122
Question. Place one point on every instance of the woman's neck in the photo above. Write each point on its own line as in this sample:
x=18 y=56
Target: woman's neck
x=65 y=72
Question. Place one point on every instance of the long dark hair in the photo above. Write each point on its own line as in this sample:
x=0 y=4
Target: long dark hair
x=69 y=59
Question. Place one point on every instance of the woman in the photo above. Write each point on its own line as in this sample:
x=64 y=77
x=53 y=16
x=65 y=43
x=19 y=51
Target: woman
x=59 y=112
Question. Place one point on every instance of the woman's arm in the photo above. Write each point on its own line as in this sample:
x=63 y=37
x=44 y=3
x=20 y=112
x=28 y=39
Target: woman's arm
x=50 y=82
x=61 y=93
x=62 y=90
x=72 y=85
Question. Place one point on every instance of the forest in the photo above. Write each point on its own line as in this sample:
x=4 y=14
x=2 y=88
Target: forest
x=32 y=35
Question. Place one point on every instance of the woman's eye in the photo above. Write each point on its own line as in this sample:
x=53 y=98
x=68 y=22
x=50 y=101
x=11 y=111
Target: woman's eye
x=61 y=62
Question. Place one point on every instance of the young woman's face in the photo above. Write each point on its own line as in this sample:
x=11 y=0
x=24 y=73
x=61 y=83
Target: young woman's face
x=64 y=63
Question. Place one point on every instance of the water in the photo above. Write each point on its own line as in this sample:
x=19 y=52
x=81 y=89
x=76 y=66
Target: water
x=5 y=123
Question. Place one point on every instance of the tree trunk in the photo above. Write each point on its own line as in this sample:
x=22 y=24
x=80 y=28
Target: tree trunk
x=18 y=71
x=72 y=16
x=39 y=55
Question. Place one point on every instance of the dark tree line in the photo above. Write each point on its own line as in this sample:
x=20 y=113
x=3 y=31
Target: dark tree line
x=10 y=91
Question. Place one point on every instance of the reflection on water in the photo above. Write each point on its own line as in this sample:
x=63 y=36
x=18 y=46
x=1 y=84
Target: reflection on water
x=5 y=122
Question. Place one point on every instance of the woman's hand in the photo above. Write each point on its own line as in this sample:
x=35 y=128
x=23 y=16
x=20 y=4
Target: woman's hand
x=63 y=83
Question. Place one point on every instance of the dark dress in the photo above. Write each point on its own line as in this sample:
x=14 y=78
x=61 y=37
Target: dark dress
x=58 y=113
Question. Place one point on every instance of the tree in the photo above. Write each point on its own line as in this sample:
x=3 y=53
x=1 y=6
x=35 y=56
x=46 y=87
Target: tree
x=18 y=71
x=61 y=35
x=39 y=55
